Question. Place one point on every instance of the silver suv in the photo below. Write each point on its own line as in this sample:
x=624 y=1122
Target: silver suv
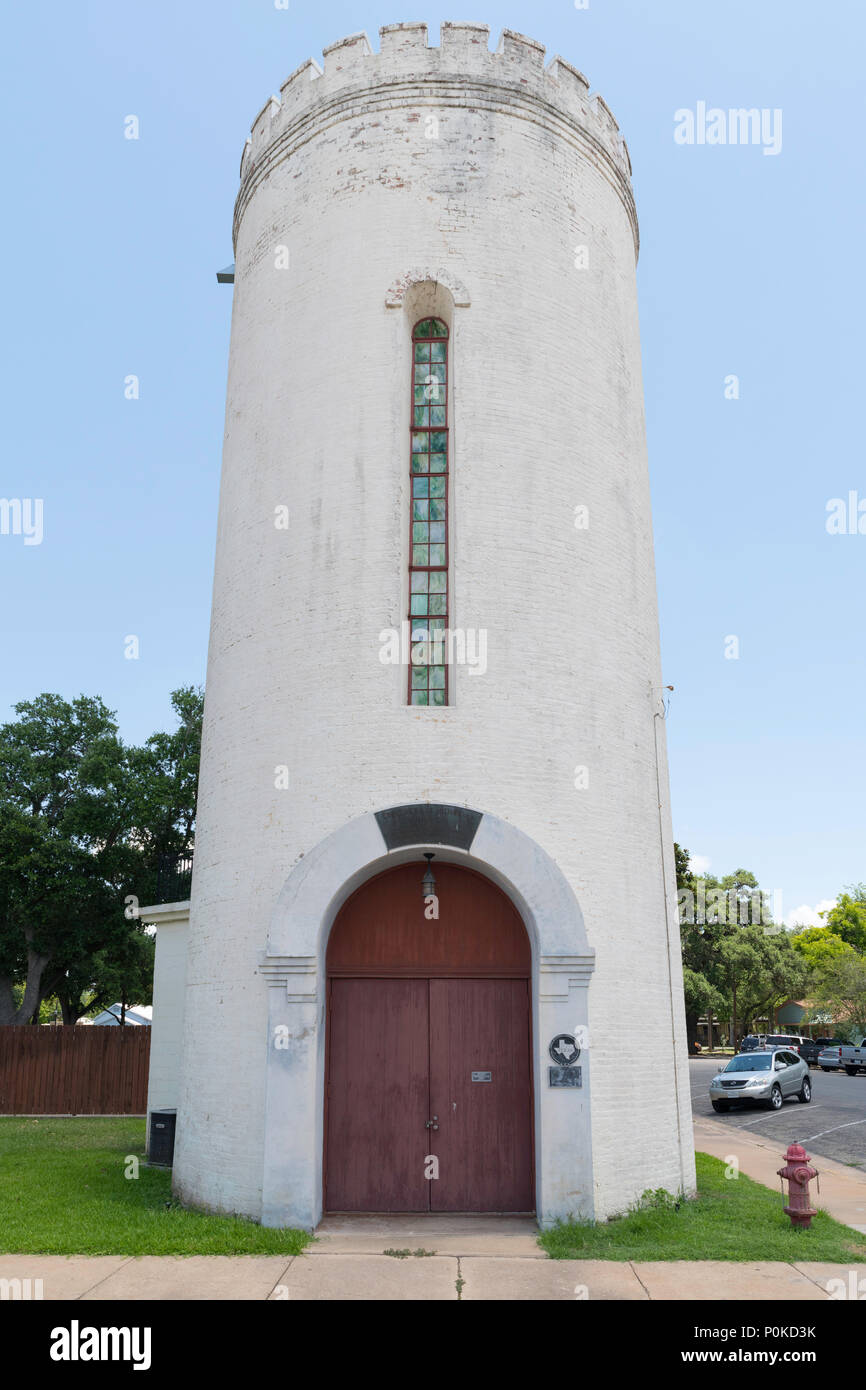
x=771 y=1077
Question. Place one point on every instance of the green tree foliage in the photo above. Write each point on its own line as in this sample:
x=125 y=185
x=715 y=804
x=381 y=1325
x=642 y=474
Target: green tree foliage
x=83 y=822
x=847 y=919
x=758 y=971
x=735 y=966
x=836 y=956
x=820 y=948
x=843 y=988
x=699 y=941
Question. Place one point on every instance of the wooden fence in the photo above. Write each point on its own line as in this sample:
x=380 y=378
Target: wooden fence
x=75 y=1070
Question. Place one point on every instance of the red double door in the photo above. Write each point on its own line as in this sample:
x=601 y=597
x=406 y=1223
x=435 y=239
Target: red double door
x=429 y=1095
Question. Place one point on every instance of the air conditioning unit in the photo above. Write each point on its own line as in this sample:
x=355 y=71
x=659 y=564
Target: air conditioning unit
x=160 y=1150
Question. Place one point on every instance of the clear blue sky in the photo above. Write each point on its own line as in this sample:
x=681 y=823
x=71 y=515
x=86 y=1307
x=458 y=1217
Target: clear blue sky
x=750 y=264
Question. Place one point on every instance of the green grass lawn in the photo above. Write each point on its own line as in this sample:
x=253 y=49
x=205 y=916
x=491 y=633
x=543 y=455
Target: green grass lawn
x=730 y=1219
x=63 y=1192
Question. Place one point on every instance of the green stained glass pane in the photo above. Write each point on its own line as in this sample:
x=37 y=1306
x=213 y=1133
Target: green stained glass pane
x=429 y=455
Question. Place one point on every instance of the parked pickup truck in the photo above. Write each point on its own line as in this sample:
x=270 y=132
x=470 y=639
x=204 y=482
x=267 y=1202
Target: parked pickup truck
x=812 y=1047
x=853 y=1059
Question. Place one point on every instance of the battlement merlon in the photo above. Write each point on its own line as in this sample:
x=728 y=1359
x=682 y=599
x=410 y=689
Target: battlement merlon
x=463 y=52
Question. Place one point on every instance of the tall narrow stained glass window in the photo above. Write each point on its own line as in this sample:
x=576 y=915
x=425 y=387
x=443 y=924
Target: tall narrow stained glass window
x=428 y=551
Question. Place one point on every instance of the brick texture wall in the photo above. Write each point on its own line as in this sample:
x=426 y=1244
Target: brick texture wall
x=547 y=415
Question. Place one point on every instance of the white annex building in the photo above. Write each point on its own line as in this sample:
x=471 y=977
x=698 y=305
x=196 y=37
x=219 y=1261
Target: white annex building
x=431 y=959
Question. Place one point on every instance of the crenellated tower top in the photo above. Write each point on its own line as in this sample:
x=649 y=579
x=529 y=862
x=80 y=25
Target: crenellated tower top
x=408 y=72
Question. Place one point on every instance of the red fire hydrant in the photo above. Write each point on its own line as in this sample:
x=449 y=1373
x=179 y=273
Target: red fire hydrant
x=799 y=1175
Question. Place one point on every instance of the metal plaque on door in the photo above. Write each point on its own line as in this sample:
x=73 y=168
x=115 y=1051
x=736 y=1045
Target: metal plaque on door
x=482 y=1076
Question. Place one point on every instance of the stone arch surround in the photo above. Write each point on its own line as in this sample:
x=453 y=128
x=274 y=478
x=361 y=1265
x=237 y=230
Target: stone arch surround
x=294 y=967
x=422 y=275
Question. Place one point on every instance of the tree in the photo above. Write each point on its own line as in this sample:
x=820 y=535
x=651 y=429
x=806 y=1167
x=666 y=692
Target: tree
x=59 y=839
x=167 y=771
x=732 y=965
x=83 y=822
x=759 y=971
x=699 y=941
x=820 y=948
x=122 y=972
x=848 y=918
x=843 y=988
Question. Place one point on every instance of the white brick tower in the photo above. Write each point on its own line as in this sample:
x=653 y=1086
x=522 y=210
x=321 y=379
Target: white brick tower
x=490 y=196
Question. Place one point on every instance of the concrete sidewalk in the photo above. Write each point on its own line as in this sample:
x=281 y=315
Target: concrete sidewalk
x=341 y=1275
x=842 y=1189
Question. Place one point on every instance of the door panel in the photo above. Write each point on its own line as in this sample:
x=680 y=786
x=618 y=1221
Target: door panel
x=381 y=929
x=414 y=1007
x=378 y=1084
x=484 y=1140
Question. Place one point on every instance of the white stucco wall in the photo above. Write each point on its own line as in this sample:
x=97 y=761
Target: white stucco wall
x=547 y=414
x=169 y=992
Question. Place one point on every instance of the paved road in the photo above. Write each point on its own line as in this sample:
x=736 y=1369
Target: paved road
x=833 y=1124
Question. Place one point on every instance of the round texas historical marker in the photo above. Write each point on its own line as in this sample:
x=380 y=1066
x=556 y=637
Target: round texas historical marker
x=564 y=1050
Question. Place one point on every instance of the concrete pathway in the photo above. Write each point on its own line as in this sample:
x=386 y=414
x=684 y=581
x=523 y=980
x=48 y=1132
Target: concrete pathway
x=364 y=1276
x=842 y=1189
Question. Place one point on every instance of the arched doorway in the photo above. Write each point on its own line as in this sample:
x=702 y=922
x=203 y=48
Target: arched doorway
x=428 y=1062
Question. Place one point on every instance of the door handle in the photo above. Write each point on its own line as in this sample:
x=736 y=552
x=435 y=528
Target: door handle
x=432 y=1124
